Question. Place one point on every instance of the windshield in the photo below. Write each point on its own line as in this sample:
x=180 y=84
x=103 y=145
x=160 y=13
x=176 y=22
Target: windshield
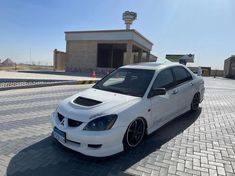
x=126 y=81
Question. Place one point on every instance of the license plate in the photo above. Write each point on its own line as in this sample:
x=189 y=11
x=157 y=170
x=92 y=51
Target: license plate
x=59 y=135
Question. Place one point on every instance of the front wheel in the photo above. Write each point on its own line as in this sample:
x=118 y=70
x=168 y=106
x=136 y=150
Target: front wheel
x=195 y=102
x=135 y=133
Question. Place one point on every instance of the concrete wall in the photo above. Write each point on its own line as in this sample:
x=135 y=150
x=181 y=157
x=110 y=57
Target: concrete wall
x=229 y=67
x=219 y=73
x=81 y=55
x=59 y=60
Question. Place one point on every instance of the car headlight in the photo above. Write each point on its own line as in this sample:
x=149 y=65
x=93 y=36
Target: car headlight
x=101 y=123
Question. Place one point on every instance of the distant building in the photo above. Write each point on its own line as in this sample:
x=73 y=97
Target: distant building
x=229 y=67
x=59 y=60
x=8 y=62
x=206 y=71
x=153 y=58
x=181 y=58
x=105 y=49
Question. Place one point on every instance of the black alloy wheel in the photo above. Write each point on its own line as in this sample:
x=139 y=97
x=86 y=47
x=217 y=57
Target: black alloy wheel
x=195 y=102
x=135 y=133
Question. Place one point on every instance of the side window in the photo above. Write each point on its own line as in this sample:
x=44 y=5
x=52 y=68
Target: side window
x=164 y=80
x=181 y=74
x=189 y=76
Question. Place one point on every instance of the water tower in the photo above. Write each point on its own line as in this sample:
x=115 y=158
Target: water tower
x=129 y=17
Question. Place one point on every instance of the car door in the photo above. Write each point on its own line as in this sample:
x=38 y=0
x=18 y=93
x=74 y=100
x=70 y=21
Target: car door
x=185 y=89
x=164 y=107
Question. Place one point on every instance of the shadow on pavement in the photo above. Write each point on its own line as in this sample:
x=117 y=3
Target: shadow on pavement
x=48 y=157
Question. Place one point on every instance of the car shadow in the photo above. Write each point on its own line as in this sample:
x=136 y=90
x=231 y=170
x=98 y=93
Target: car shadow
x=48 y=157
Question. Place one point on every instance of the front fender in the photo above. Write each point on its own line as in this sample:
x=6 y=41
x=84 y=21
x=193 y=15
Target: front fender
x=140 y=109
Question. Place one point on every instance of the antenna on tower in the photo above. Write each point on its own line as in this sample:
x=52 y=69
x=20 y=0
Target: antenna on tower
x=129 y=17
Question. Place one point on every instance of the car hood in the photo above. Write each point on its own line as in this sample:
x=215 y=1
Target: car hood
x=105 y=103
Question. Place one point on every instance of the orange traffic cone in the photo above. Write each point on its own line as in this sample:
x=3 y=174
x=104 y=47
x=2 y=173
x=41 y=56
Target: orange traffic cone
x=93 y=74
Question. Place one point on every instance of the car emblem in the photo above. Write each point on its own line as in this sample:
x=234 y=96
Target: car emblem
x=62 y=122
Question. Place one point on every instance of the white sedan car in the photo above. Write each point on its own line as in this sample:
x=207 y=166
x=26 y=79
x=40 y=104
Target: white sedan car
x=123 y=107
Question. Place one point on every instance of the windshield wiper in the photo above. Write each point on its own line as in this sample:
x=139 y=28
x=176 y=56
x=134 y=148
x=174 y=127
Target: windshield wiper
x=116 y=90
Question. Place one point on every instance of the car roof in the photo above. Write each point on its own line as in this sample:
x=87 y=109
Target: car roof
x=151 y=65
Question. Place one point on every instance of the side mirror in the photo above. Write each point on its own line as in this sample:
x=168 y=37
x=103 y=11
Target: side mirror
x=157 y=91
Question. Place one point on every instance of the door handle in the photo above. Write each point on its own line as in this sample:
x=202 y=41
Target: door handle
x=191 y=84
x=174 y=92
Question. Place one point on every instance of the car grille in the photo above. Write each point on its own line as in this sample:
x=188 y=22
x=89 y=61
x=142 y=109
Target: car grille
x=71 y=122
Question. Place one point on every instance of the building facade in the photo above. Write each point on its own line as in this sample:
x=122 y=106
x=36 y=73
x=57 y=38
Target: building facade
x=105 y=49
x=59 y=60
x=229 y=67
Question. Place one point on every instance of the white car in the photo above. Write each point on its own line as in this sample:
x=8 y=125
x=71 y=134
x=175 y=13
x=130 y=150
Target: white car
x=123 y=107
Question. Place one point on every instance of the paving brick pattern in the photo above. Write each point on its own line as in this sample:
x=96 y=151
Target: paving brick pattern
x=201 y=143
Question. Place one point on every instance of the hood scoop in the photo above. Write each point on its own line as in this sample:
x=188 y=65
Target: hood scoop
x=86 y=101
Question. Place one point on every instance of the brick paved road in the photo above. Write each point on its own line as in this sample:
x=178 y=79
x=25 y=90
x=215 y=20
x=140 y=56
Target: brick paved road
x=202 y=143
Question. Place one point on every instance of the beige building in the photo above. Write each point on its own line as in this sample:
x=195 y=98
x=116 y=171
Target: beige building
x=105 y=49
x=229 y=67
x=59 y=60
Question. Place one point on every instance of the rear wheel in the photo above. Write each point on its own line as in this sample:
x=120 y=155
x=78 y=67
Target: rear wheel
x=195 y=102
x=135 y=133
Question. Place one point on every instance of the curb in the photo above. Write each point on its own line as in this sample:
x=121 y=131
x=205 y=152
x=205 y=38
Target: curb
x=50 y=84
x=87 y=82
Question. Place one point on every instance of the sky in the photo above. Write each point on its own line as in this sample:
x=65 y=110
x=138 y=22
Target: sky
x=31 y=29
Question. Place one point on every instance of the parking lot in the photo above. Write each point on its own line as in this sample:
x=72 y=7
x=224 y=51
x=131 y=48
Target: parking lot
x=201 y=143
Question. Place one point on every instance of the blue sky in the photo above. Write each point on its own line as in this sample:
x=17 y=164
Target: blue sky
x=205 y=28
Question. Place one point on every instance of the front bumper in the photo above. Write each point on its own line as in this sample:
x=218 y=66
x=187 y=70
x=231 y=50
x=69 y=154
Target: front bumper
x=92 y=143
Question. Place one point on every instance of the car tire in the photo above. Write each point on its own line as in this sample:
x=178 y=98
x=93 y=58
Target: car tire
x=195 y=102
x=134 y=133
